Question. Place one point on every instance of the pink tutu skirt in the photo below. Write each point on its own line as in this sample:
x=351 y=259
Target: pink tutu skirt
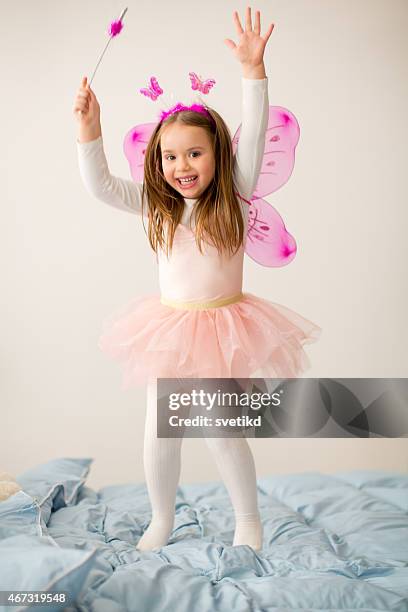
x=155 y=340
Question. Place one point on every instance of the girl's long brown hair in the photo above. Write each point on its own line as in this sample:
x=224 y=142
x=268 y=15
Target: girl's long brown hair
x=217 y=211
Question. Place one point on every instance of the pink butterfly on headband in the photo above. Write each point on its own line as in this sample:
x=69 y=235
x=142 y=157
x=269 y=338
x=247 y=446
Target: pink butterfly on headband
x=153 y=91
x=267 y=242
x=197 y=83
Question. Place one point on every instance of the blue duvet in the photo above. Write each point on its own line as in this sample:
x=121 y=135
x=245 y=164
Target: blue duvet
x=331 y=542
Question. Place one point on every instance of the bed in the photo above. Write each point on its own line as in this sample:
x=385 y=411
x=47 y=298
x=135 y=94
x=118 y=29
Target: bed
x=331 y=542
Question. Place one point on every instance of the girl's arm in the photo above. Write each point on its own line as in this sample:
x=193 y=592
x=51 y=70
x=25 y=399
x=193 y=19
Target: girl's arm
x=121 y=193
x=255 y=108
x=251 y=144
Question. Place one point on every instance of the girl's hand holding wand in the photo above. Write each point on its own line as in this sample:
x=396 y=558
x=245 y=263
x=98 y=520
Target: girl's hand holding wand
x=87 y=111
x=251 y=46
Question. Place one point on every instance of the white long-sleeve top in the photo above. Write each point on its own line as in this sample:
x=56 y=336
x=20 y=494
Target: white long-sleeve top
x=188 y=275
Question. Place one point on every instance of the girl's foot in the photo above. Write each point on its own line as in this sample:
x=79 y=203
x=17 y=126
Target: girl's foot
x=248 y=530
x=155 y=536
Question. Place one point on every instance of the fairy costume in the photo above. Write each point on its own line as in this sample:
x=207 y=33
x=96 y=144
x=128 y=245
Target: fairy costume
x=202 y=325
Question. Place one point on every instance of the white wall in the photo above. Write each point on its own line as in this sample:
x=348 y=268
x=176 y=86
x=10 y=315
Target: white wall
x=69 y=260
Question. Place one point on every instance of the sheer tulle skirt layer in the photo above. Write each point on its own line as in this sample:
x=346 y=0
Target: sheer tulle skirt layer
x=151 y=339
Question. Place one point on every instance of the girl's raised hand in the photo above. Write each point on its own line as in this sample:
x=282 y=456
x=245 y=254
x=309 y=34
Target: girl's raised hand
x=251 y=45
x=86 y=107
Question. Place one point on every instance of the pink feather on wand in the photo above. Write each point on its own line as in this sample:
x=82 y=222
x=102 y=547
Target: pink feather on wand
x=115 y=28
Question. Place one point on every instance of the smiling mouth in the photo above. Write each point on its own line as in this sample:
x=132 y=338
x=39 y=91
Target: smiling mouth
x=187 y=184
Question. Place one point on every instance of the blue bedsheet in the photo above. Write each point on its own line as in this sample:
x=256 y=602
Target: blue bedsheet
x=331 y=542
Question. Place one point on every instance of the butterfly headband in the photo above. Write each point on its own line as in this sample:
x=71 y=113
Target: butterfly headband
x=153 y=91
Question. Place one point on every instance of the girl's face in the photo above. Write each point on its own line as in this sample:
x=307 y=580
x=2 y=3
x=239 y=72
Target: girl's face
x=187 y=153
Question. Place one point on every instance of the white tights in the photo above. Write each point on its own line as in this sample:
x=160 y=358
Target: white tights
x=161 y=458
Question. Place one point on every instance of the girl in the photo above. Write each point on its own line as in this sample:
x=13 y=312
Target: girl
x=201 y=325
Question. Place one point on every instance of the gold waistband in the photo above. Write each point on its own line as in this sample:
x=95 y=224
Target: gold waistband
x=202 y=305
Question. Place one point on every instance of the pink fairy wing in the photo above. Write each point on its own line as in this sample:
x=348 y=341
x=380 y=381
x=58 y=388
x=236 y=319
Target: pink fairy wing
x=268 y=242
x=282 y=136
x=134 y=147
